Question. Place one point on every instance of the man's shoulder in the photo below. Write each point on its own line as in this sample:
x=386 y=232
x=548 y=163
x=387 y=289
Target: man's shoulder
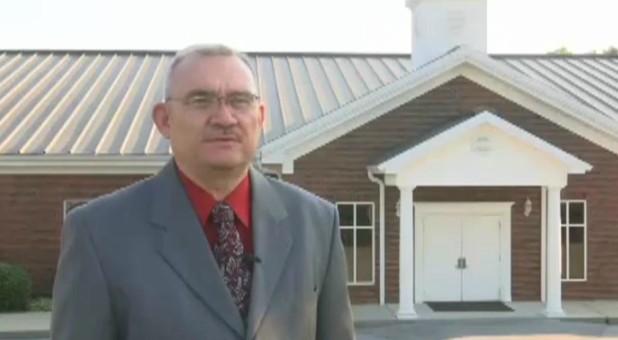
x=116 y=201
x=297 y=195
x=296 y=192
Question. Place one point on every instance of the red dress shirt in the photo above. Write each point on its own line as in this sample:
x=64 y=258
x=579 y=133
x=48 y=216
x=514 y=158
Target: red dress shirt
x=239 y=199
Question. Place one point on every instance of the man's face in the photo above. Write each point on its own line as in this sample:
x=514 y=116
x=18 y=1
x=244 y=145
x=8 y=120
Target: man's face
x=213 y=118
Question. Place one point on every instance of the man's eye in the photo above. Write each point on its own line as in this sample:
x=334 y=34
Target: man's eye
x=201 y=100
x=241 y=101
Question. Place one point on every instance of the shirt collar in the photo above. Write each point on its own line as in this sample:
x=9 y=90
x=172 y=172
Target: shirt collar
x=203 y=202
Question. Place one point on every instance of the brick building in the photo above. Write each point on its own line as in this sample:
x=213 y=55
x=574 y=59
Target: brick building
x=459 y=175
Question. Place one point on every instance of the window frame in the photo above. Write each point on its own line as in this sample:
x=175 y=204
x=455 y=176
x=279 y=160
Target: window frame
x=567 y=225
x=355 y=228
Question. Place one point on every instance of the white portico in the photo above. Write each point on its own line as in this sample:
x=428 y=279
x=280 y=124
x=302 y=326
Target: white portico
x=461 y=251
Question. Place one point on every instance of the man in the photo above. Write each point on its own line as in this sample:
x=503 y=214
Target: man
x=208 y=248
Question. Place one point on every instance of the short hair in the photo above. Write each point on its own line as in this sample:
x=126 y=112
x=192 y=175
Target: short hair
x=203 y=50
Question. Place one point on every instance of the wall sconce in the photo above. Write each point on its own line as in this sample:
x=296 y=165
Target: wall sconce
x=527 y=207
x=397 y=207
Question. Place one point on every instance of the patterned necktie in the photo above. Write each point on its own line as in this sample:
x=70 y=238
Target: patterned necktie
x=228 y=252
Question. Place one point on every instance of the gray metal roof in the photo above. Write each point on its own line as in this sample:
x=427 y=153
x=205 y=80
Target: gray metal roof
x=96 y=102
x=592 y=80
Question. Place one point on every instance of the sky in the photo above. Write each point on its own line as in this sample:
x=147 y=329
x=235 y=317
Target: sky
x=359 y=26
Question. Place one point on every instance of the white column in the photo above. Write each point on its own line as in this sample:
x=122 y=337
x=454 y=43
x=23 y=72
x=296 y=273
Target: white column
x=553 y=304
x=406 y=254
x=543 y=244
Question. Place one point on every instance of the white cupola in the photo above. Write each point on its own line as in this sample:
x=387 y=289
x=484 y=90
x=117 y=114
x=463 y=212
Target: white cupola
x=441 y=25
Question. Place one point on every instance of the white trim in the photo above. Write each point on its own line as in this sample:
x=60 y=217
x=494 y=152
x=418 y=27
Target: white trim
x=396 y=163
x=568 y=225
x=82 y=164
x=499 y=209
x=354 y=227
x=540 y=97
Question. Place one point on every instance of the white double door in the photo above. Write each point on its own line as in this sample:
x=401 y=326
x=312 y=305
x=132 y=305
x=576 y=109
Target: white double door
x=461 y=257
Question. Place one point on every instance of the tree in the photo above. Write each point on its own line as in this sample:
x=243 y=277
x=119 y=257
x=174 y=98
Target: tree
x=562 y=50
x=611 y=51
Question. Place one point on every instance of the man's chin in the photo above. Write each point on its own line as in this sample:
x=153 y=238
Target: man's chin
x=224 y=164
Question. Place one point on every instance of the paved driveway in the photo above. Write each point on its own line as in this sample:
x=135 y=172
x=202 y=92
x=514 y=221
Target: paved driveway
x=488 y=329
x=468 y=329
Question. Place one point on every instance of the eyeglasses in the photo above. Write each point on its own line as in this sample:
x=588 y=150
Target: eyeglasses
x=209 y=101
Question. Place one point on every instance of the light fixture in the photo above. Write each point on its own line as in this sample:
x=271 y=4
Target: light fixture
x=527 y=207
x=397 y=207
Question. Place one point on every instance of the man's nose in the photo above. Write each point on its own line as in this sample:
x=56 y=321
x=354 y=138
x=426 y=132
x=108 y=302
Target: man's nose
x=223 y=114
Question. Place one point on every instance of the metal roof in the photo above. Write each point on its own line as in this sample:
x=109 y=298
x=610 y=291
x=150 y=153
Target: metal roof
x=99 y=102
x=592 y=80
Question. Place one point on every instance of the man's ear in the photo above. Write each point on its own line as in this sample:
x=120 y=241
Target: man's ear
x=262 y=114
x=161 y=117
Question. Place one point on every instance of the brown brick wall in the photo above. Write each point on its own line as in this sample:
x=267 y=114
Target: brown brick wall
x=31 y=216
x=337 y=171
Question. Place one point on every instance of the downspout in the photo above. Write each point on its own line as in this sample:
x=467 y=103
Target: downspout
x=382 y=236
x=258 y=165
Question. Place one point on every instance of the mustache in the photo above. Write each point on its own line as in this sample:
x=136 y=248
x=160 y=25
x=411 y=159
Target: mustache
x=222 y=134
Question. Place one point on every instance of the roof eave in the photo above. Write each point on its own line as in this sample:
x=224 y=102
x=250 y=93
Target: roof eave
x=82 y=164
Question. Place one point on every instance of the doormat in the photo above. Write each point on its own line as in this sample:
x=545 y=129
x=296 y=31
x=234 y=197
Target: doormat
x=469 y=306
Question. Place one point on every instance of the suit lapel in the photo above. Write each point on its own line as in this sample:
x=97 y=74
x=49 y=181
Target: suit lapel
x=184 y=246
x=272 y=243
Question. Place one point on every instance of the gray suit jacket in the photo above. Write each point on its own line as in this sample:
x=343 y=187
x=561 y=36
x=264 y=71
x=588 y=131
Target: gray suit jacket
x=135 y=265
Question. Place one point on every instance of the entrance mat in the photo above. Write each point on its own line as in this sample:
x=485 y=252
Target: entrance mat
x=469 y=306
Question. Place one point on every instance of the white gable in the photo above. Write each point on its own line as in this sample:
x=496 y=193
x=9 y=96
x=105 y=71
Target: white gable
x=484 y=150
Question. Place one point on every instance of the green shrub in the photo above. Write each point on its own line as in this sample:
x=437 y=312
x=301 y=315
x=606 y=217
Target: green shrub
x=42 y=304
x=15 y=288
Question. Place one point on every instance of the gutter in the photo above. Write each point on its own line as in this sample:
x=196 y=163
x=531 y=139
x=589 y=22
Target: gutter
x=382 y=236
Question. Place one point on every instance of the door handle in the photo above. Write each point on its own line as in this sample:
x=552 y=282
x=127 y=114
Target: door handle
x=461 y=263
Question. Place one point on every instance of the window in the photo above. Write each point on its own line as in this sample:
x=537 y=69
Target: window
x=357 y=225
x=573 y=240
x=72 y=203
